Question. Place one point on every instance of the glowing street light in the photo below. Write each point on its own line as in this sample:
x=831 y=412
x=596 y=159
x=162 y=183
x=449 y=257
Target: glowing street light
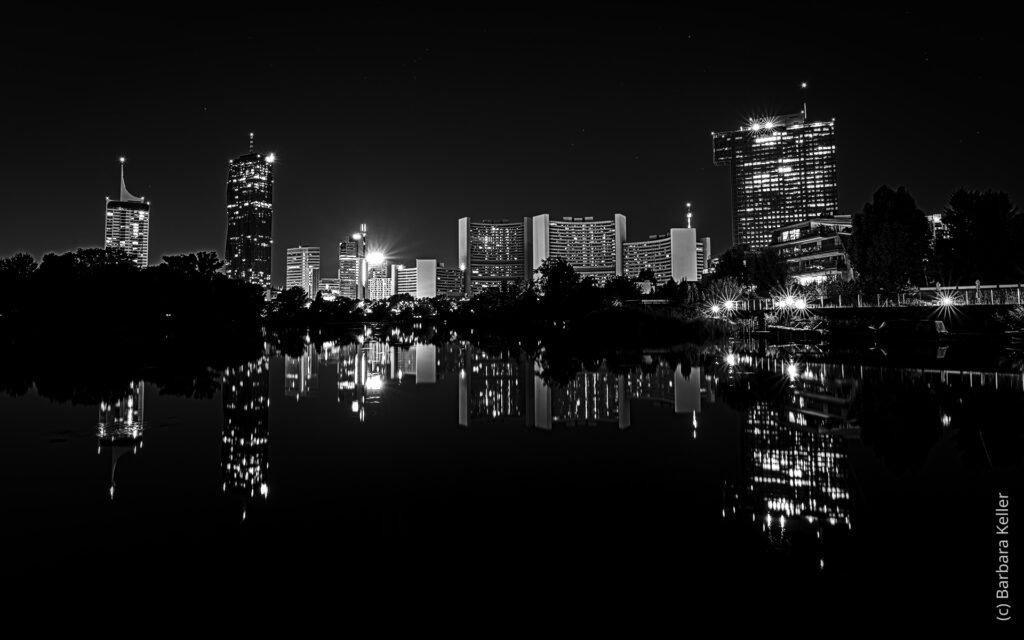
x=800 y=304
x=715 y=309
x=730 y=305
x=947 y=301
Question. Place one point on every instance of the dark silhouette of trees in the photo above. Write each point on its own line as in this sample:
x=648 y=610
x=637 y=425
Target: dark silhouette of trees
x=983 y=239
x=765 y=270
x=890 y=242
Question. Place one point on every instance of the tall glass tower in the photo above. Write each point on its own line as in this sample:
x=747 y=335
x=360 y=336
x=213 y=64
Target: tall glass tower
x=783 y=171
x=250 y=209
x=127 y=225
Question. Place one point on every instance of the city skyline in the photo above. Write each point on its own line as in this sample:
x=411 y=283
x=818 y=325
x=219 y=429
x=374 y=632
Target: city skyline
x=425 y=126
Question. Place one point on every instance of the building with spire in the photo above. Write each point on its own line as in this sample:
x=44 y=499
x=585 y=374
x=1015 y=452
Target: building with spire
x=250 y=209
x=126 y=226
x=783 y=172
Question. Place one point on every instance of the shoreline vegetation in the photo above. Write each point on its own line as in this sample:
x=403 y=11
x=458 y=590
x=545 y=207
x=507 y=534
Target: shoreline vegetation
x=183 y=321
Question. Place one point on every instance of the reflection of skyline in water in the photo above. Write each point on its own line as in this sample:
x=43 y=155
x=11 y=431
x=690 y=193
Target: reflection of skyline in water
x=120 y=427
x=245 y=440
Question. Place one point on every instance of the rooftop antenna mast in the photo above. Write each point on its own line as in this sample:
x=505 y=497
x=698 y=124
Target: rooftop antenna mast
x=803 y=85
x=689 y=216
x=250 y=142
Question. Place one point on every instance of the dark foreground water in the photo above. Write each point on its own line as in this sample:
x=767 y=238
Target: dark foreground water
x=776 y=487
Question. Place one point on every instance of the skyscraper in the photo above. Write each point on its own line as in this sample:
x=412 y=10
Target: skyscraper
x=352 y=265
x=302 y=269
x=783 y=171
x=592 y=247
x=250 y=209
x=126 y=225
x=493 y=252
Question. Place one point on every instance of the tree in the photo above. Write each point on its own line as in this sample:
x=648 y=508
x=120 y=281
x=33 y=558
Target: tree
x=767 y=270
x=20 y=266
x=733 y=264
x=890 y=241
x=647 y=275
x=621 y=288
x=983 y=239
x=558 y=278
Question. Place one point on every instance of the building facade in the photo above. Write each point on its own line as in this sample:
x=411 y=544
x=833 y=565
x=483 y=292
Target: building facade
x=703 y=257
x=592 y=247
x=672 y=256
x=126 y=225
x=783 y=172
x=302 y=269
x=428 y=279
x=815 y=250
x=494 y=252
x=250 y=208
x=352 y=265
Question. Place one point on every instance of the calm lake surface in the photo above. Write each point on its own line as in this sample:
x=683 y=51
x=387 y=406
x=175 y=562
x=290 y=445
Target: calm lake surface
x=756 y=478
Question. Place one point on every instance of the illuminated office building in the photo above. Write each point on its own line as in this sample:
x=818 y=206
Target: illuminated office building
x=245 y=439
x=592 y=247
x=428 y=279
x=330 y=286
x=703 y=256
x=378 y=278
x=783 y=172
x=815 y=250
x=126 y=225
x=250 y=209
x=494 y=252
x=352 y=267
x=302 y=269
x=672 y=255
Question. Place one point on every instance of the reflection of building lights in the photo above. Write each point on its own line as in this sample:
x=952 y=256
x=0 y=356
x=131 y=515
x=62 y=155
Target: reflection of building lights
x=355 y=406
x=730 y=360
x=375 y=382
x=792 y=371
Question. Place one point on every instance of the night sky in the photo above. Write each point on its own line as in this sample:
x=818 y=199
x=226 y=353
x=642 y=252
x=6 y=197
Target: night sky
x=409 y=121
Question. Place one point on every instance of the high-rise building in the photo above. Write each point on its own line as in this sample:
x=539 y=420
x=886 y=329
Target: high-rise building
x=703 y=256
x=126 y=226
x=494 y=252
x=302 y=269
x=250 y=209
x=592 y=247
x=427 y=279
x=671 y=255
x=352 y=267
x=783 y=171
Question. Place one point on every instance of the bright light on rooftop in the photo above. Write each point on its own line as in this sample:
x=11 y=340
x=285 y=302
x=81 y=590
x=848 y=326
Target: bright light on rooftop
x=375 y=258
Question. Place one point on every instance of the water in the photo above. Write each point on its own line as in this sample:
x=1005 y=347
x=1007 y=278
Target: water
x=769 y=479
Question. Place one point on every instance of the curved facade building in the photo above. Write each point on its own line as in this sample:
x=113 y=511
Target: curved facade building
x=592 y=247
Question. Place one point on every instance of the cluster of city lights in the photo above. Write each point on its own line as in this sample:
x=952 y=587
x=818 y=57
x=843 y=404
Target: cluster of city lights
x=723 y=307
x=791 y=302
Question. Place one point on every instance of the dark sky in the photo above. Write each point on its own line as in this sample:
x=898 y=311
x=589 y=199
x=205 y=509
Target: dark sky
x=408 y=121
